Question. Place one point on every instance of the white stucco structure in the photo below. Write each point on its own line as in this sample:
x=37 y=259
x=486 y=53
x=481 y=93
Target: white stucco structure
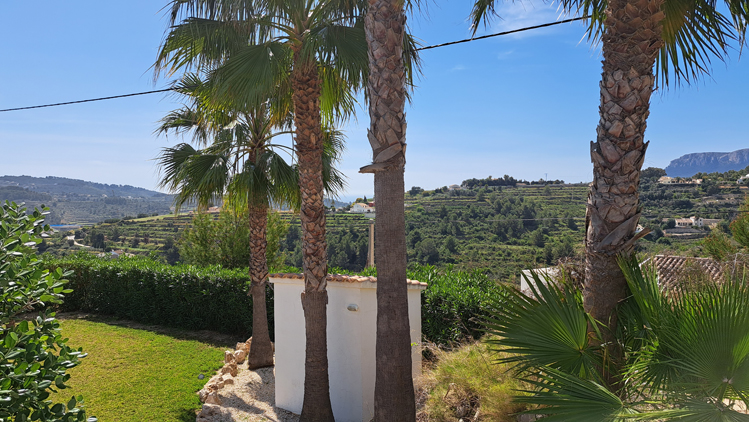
x=352 y=317
x=545 y=274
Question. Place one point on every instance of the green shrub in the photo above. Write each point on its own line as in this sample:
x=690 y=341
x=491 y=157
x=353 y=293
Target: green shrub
x=225 y=240
x=454 y=303
x=34 y=357
x=151 y=292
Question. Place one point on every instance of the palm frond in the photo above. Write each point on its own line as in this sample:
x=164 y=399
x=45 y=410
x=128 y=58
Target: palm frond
x=693 y=32
x=695 y=343
x=547 y=329
x=344 y=67
x=201 y=44
x=252 y=75
x=564 y=397
x=333 y=147
x=698 y=411
x=483 y=11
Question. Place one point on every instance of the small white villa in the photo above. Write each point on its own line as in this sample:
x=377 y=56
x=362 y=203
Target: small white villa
x=665 y=180
x=697 y=222
x=362 y=208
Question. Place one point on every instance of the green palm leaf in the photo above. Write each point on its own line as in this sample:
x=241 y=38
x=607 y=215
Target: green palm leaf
x=694 y=32
x=547 y=329
x=565 y=397
x=695 y=353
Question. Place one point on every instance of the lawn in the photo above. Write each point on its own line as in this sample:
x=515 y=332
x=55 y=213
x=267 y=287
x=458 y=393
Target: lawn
x=136 y=374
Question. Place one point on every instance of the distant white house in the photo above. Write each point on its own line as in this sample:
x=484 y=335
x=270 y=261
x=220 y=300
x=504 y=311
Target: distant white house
x=665 y=180
x=697 y=222
x=743 y=180
x=454 y=187
x=361 y=208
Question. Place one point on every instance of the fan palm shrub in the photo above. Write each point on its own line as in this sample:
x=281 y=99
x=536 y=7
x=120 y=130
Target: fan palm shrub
x=684 y=353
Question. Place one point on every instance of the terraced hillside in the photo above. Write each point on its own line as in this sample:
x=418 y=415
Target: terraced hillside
x=499 y=230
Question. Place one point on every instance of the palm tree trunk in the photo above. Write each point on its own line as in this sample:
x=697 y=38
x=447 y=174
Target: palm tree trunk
x=631 y=42
x=261 y=349
x=316 y=406
x=394 y=390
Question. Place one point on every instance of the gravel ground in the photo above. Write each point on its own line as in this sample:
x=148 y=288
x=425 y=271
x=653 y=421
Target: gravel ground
x=250 y=398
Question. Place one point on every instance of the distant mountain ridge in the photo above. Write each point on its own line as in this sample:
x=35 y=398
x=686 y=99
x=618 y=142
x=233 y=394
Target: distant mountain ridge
x=73 y=201
x=708 y=162
x=62 y=185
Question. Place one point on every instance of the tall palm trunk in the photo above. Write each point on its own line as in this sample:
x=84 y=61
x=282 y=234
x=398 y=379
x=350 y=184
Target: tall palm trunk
x=261 y=350
x=631 y=42
x=309 y=144
x=394 y=390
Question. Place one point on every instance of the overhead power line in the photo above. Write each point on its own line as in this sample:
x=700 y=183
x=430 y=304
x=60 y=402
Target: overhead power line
x=90 y=100
x=502 y=33
x=429 y=47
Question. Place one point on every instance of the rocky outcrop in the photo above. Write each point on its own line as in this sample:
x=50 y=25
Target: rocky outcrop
x=708 y=162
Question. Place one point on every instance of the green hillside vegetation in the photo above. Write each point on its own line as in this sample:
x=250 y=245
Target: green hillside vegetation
x=499 y=226
x=80 y=202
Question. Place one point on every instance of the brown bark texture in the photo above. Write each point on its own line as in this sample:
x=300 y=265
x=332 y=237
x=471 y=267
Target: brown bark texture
x=261 y=349
x=394 y=390
x=316 y=406
x=631 y=42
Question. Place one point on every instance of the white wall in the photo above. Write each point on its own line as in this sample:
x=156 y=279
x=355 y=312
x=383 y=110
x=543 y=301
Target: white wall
x=351 y=345
x=543 y=273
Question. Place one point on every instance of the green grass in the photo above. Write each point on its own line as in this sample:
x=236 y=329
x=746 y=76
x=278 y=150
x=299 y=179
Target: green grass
x=138 y=375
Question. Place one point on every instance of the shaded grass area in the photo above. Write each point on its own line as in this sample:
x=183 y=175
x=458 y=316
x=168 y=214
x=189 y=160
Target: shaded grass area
x=467 y=384
x=134 y=375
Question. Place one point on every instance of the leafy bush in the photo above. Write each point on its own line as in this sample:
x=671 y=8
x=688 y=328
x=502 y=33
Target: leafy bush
x=34 y=357
x=150 y=292
x=454 y=303
x=226 y=240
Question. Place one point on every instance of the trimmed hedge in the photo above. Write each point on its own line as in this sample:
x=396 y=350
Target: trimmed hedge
x=215 y=298
x=150 y=292
x=454 y=303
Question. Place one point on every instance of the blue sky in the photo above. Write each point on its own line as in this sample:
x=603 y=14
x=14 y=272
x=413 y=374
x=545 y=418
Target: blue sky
x=524 y=105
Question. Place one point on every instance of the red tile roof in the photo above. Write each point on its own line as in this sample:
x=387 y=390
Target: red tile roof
x=674 y=269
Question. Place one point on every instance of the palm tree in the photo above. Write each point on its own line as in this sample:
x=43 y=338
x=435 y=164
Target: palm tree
x=679 y=36
x=238 y=165
x=391 y=60
x=313 y=50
